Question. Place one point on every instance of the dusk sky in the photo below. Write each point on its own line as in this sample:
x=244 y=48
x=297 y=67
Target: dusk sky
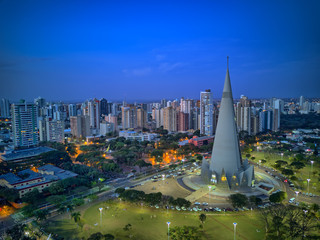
x=158 y=49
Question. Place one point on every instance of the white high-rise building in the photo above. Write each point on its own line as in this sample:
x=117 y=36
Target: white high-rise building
x=206 y=113
x=51 y=130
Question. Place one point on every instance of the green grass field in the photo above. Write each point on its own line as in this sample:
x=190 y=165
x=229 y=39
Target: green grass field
x=301 y=174
x=150 y=224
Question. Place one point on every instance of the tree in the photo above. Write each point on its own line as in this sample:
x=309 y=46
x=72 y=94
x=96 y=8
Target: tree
x=56 y=199
x=77 y=201
x=238 y=200
x=96 y=236
x=11 y=194
x=202 y=218
x=119 y=190
x=32 y=197
x=76 y=216
x=297 y=165
x=185 y=232
x=278 y=197
x=109 y=236
x=287 y=172
x=41 y=215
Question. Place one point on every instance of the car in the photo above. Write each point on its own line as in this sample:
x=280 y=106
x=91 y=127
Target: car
x=156 y=206
x=197 y=203
x=183 y=208
x=177 y=207
x=195 y=209
x=172 y=207
x=205 y=204
x=217 y=209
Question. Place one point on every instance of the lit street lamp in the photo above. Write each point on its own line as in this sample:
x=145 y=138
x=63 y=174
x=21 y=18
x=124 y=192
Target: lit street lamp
x=209 y=193
x=234 y=230
x=297 y=193
x=100 y=209
x=311 y=167
x=281 y=156
x=308 y=185
x=168 y=230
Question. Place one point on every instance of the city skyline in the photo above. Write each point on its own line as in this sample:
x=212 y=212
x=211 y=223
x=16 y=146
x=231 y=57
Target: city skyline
x=61 y=51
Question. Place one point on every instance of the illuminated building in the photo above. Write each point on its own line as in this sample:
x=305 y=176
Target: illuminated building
x=226 y=167
x=24 y=124
x=206 y=113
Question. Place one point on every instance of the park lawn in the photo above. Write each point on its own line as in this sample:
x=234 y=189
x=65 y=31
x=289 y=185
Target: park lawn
x=302 y=174
x=150 y=224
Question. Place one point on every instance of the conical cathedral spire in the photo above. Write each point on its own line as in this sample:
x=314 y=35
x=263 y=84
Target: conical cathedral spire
x=226 y=157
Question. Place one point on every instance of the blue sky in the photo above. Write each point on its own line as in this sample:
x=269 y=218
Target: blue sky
x=158 y=49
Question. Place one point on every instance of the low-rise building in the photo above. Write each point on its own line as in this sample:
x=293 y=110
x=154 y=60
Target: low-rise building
x=133 y=135
x=27 y=180
x=200 y=141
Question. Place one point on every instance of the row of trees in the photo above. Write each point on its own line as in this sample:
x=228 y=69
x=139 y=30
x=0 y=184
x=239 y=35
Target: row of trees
x=151 y=198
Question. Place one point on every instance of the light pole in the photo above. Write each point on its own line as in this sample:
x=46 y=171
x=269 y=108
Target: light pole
x=297 y=193
x=100 y=209
x=308 y=185
x=209 y=193
x=311 y=167
x=163 y=176
x=234 y=230
x=281 y=156
x=168 y=230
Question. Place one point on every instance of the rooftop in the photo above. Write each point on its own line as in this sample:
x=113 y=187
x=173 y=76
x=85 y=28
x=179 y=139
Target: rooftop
x=25 y=153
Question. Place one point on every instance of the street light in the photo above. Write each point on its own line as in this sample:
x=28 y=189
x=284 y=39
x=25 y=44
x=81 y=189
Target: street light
x=308 y=185
x=281 y=156
x=234 y=230
x=311 y=166
x=209 y=192
x=100 y=209
x=297 y=193
x=168 y=230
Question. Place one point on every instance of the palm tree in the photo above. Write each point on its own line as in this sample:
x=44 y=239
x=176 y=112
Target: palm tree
x=76 y=216
x=202 y=218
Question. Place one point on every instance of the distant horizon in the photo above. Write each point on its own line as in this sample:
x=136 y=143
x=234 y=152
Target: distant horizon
x=138 y=101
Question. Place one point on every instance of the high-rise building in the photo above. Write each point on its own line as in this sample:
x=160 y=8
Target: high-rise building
x=112 y=119
x=5 y=108
x=141 y=118
x=243 y=114
x=80 y=126
x=72 y=109
x=105 y=107
x=279 y=104
x=51 y=130
x=301 y=102
x=206 y=113
x=183 y=121
x=170 y=119
x=129 y=117
x=156 y=115
x=226 y=165
x=94 y=113
x=24 y=124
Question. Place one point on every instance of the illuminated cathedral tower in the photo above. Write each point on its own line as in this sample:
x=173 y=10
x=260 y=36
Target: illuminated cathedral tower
x=226 y=166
